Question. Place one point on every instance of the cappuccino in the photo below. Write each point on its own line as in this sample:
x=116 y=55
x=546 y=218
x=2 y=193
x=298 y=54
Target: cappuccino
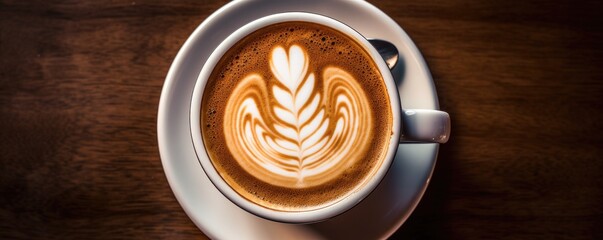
x=296 y=116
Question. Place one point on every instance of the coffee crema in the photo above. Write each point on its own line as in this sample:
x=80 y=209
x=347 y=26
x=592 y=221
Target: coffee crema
x=296 y=116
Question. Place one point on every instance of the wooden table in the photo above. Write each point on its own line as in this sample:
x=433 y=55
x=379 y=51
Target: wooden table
x=523 y=81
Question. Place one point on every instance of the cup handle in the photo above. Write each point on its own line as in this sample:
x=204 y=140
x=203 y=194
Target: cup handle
x=424 y=125
x=418 y=125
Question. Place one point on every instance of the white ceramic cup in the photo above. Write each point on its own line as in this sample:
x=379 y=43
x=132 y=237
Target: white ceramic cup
x=420 y=125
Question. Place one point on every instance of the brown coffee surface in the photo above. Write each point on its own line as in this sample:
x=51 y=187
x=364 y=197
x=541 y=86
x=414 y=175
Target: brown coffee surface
x=296 y=116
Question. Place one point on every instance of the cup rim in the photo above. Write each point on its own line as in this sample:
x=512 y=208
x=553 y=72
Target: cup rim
x=307 y=216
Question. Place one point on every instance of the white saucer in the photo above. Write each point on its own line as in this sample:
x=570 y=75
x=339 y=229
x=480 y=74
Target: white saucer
x=378 y=216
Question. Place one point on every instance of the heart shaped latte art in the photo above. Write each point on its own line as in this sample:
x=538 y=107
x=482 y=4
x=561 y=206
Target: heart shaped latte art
x=291 y=131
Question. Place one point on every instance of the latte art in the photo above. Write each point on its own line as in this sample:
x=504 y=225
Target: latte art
x=292 y=133
x=295 y=116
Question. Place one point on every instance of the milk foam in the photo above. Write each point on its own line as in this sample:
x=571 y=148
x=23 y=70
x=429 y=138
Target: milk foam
x=307 y=134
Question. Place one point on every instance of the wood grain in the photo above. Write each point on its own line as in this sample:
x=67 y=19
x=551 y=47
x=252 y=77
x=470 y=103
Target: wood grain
x=523 y=82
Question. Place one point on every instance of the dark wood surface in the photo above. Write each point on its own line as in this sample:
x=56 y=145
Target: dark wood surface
x=80 y=83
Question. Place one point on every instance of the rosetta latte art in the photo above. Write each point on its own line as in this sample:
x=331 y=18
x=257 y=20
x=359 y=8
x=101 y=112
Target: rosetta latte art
x=293 y=132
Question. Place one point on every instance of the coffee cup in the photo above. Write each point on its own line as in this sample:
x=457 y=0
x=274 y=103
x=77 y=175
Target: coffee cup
x=296 y=118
